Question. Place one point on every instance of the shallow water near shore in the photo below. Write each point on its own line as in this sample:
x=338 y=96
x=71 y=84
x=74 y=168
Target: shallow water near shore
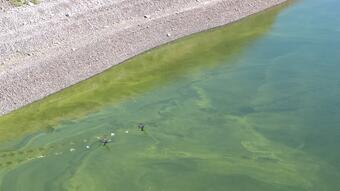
x=250 y=106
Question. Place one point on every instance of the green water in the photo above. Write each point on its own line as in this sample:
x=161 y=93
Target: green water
x=251 y=106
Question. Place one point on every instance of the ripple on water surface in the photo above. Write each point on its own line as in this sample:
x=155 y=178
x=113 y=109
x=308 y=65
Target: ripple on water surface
x=251 y=106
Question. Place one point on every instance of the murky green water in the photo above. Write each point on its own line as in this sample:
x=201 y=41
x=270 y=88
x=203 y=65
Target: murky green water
x=251 y=106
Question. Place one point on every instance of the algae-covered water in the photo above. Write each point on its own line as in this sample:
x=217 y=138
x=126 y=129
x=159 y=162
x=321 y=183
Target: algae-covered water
x=253 y=106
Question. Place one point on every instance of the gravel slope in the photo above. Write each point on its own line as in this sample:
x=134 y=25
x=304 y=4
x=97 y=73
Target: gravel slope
x=55 y=44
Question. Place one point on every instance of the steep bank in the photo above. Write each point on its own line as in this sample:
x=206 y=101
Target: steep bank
x=48 y=47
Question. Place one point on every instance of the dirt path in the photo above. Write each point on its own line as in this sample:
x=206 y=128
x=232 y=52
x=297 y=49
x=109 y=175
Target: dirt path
x=50 y=46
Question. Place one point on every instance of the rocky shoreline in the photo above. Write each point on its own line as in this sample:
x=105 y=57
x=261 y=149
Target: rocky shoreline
x=51 y=46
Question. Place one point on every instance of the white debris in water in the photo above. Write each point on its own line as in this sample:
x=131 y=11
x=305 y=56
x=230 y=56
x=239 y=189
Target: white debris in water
x=112 y=134
x=72 y=149
x=126 y=131
x=87 y=146
x=41 y=156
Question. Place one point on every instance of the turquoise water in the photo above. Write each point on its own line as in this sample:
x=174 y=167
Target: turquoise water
x=250 y=106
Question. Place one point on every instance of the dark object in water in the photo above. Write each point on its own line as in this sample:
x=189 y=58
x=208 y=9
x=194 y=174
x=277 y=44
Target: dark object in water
x=104 y=141
x=141 y=126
